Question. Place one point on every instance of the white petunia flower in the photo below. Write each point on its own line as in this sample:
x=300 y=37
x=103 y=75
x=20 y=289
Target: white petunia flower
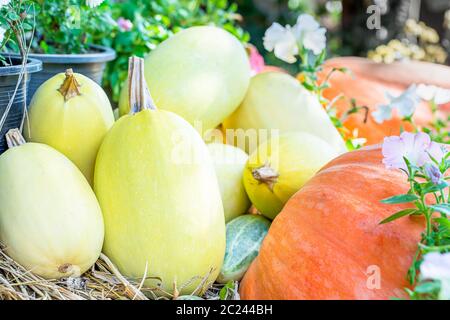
x=4 y=2
x=309 y=33
x=405 y=103
x=2 y=35
x=436 y=266
x=281 y=40
x=383 y=113
x=433 y=93
x=426 y=92
x=285 y=41
x=93 y=3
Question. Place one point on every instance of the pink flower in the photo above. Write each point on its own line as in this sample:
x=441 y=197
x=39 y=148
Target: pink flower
x=433 y=173
x=256 y=60
x=417 y=148
x=436 y=151
x=124 y=24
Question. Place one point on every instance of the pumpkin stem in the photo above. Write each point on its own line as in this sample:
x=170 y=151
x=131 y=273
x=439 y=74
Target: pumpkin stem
x=140 y=98
x=14 y=138
x=70 y=87
x=266 y=174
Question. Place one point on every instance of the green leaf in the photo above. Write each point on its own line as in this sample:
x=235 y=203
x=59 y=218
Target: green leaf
x=320 y=58
x=431 y=188
x=399 y=215
x=404 y=198
x=223 y=294
x=344 y=70
x=444 y=222
x=428 y=287
x=442 y=208
x=308 y=86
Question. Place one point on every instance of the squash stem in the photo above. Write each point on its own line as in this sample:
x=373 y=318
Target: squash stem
x=14 y=138
x=140 y=98
x=70 y=87
x=266 y=174
x=70 y=270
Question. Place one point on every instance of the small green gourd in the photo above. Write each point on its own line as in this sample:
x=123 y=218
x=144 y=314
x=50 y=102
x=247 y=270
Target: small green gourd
x=245 y=235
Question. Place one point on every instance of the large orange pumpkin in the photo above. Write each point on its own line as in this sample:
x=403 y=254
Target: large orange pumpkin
x=368 y=83
x=327 y=243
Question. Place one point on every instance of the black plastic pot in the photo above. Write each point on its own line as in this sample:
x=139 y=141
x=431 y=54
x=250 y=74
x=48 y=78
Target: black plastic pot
x=91 y=65
x=9 y=77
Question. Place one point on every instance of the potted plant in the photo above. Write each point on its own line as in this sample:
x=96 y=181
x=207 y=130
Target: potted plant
x=15 y=70
x=70 y=34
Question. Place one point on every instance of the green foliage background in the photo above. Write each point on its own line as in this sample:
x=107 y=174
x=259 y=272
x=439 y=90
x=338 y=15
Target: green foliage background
x=154 y=21
x=70 y=27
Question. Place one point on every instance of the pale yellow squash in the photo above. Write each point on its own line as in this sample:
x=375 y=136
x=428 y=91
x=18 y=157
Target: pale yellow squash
x=229 y=163
x=156 y=184
x=277 y=101
x=281 y=166
x=71 y=113
x=200 y=73
x=50 y=220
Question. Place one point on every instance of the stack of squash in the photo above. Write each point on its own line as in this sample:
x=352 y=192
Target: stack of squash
x=162 y=210
x=168 y=207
